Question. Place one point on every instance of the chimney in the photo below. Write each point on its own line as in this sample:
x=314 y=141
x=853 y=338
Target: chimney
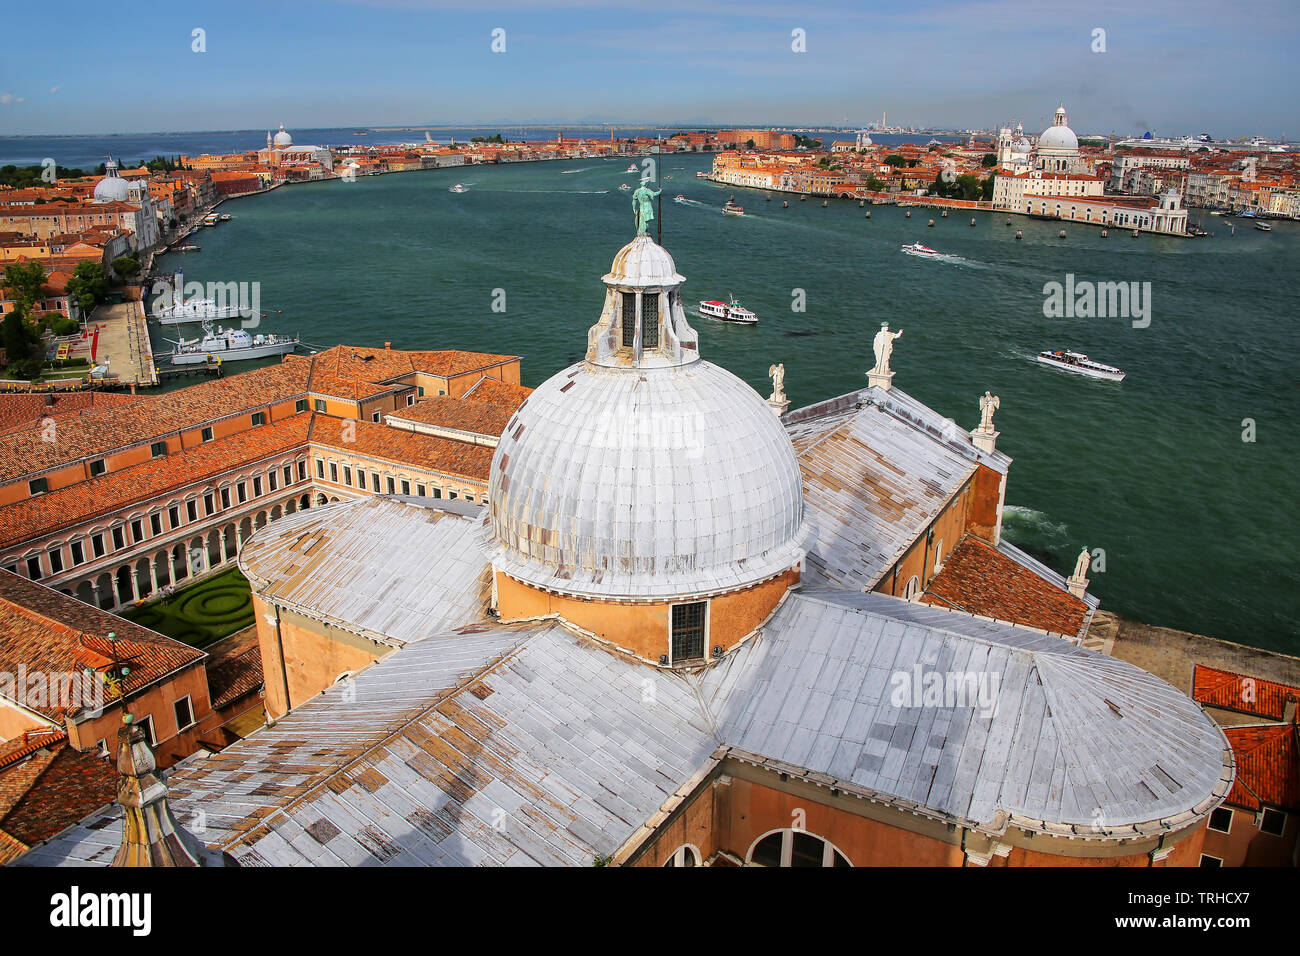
x=1289 y=710
x=150 y=834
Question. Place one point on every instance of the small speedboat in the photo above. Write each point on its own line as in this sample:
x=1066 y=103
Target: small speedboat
x=631 y=168
x=679 y=198
x=624 y=187
x=732 y=208
x=458 y=188
x=1080 y=364
x=731 y=311
x=925 y=252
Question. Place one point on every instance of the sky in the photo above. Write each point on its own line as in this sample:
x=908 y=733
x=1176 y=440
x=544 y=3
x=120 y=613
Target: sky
x=1173 y=67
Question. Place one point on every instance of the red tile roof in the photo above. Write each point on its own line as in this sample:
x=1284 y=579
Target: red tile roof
x=495 y=392
x=42 y=630
x=234 y=677
x=50 y=789
x=1268 y=766
x=65 y=507
x=404 y=448
x=1239 y=692
x=20 y=409
x=442 y=411
x=979 y=579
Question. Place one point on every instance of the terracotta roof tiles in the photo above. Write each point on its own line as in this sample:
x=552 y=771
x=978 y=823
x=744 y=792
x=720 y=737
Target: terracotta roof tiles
x=1242 y=693
x=1268 y=766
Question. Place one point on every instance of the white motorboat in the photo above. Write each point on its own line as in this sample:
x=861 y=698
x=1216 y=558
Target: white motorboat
x=624 y=187
x=458 y=188
x=732 y=208
x=679 y=198
x=731 y=311
x=196 y=310
x=230 y=345
x=924 y=252
x=1079 y=364
x=631 y=168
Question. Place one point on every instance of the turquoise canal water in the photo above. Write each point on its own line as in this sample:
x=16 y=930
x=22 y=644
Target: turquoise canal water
x=1198 y=527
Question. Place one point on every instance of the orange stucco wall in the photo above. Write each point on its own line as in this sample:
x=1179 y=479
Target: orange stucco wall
x=982 y=515
x=1245 y=844
x=731 y=813
x=947 y=529
x=313 y=660
x=643 y=629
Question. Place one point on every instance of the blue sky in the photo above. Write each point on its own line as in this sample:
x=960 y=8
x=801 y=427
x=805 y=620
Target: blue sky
x=1172 y=67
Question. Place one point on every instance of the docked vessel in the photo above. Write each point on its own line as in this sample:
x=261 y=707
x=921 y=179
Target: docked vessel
x=731 y=311
x=229 y=345
x=925 y=252
x=731 y=208
x=195 y=310
x=1080 y=364
x=458 y=188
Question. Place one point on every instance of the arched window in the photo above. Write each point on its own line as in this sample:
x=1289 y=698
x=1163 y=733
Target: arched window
x=685 y=855
x=913 y=589
x=938 y=556
x=794 y=848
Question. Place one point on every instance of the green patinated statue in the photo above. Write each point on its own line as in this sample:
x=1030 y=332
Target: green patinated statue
x=643 y=207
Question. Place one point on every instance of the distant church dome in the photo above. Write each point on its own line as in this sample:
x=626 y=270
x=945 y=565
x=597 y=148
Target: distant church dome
x=644 y=472
x=112 y=188
x=1058 y=135
x=282 y=139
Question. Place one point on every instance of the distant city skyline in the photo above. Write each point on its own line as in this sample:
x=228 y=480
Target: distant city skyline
x=1173 y=68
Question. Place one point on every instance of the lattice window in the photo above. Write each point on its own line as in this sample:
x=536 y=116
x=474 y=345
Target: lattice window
x=688 y=631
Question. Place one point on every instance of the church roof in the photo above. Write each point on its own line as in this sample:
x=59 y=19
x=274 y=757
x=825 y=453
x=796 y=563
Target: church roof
x=530 y=745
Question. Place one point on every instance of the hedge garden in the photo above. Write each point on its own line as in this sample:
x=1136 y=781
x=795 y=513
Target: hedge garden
x=201 y=613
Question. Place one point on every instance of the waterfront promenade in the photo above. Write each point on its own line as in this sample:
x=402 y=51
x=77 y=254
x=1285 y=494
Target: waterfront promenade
x=123 y=344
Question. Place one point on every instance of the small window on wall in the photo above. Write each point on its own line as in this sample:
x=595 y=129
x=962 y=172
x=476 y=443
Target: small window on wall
x=649 y=320
x=406 y=487
x=34 y=567
x=78 y=553
x=684 y=856
x=410 y=400
x=938 y=556
x=1210 y=861
x=147 y=725
x=300 y=405
x=1221 y=820
x=38 y=486
x=628 y=319
x=375 y=417
x=319 y=404
x=184 y=711
x=374 y=482
x=1273 y=822
x=913 y=589
x=259 y=418
x=688 y=631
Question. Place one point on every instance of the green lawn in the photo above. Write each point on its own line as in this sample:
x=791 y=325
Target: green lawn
x=201 y=613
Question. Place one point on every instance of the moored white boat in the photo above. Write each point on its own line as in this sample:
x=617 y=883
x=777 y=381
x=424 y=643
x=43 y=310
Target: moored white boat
x=1079 y=364
x=230 y=345
x=195 y=310
x=731 y=311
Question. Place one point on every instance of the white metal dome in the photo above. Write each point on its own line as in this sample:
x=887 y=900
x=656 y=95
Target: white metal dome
x=1058 y=135
x=645 y=483
x=282 y=138
x=644 y=472
x=112 y=188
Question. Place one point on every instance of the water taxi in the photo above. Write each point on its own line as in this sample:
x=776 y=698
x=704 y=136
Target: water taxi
x=731 y=311
x=731 y=208
x=229 y=345
x=679 y=198
x=924 y=252
x=1079 y=364
x=1263 y=227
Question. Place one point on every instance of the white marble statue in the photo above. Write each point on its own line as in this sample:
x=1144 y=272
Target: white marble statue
x=988 y=404
x=1081 y=565
x=884 y=346
x=777 y=374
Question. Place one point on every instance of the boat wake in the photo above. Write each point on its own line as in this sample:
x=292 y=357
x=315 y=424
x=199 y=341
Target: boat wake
x=566 y=172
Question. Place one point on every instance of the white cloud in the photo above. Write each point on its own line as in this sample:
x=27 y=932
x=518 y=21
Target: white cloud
x=55 y=89
x=6 y=99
